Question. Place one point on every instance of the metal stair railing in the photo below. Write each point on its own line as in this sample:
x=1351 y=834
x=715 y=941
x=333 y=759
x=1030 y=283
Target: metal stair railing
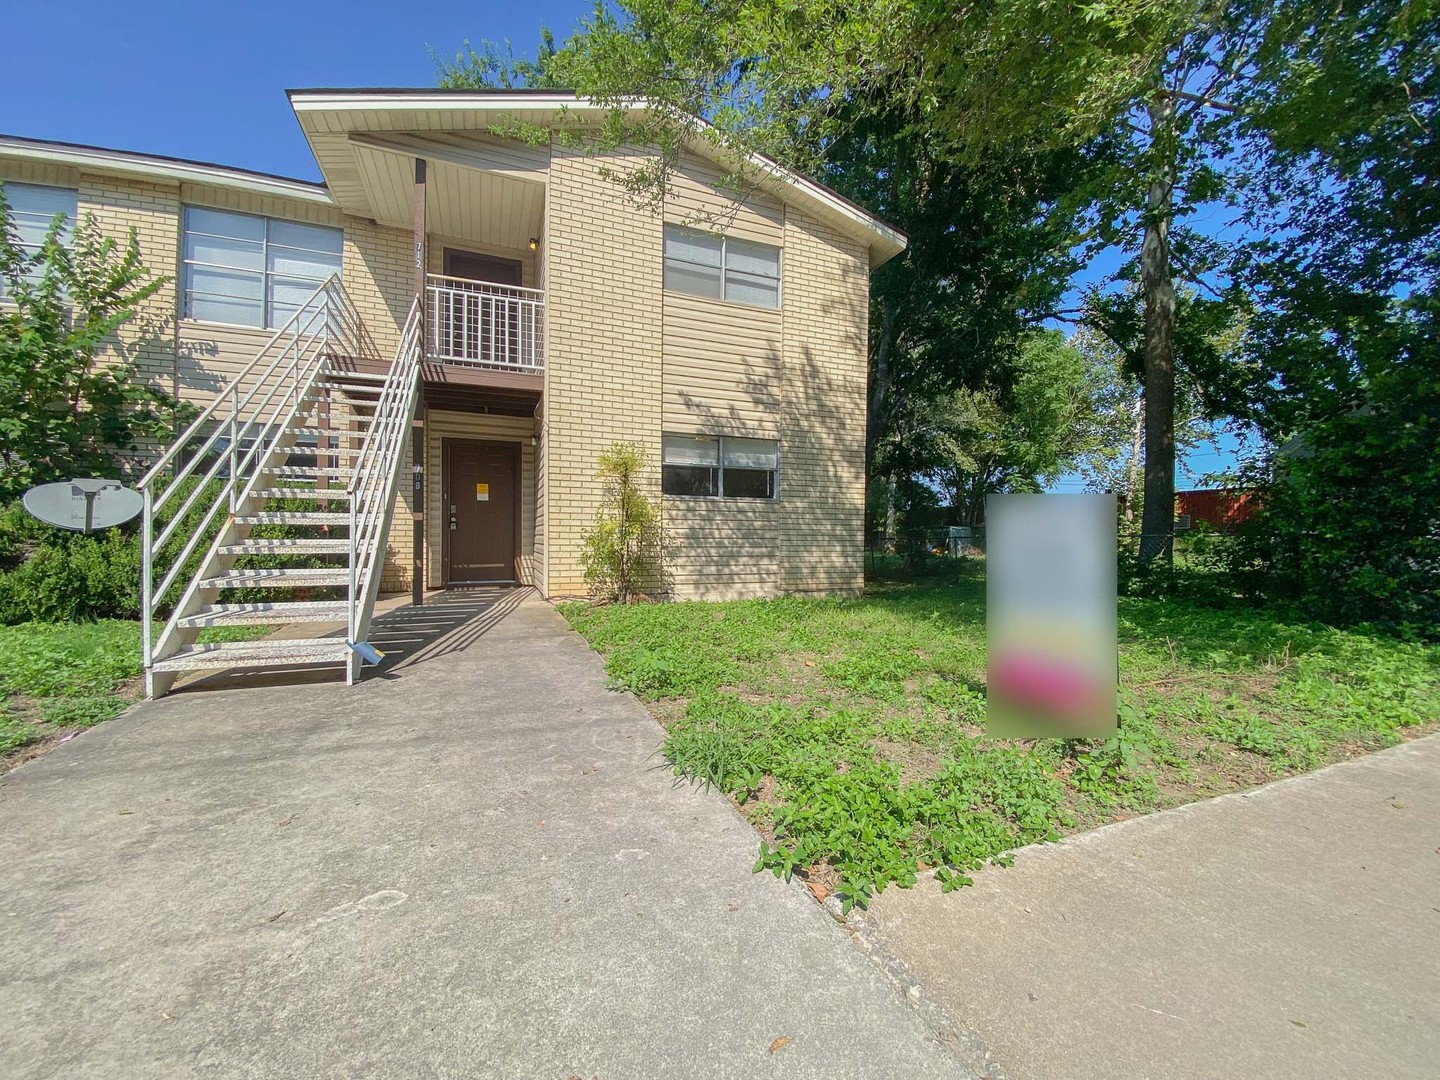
x=373 y=483
x=255 y=408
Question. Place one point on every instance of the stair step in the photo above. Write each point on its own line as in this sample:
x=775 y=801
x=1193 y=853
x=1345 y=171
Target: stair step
x=282 y=578
x=292 y=517
x=303 y=493
x=250 y=654
x=357 y=376
x=307 y=471
x=314 y=611
x=374 y=390
x=317 y=451
x=300 y=546
x=326 y=432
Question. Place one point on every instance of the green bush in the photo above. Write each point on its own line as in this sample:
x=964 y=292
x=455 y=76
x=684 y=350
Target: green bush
x=52 y=575
x=624 y=552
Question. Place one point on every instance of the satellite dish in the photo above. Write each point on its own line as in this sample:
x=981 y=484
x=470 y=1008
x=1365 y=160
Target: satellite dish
x=84 y=505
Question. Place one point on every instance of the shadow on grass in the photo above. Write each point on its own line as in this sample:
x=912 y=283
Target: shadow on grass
x=1200 y=624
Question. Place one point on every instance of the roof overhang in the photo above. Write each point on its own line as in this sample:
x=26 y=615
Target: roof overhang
x=97 y=159
x=335 y=121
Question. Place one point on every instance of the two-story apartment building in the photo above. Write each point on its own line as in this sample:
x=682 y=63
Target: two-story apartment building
x=724 y=332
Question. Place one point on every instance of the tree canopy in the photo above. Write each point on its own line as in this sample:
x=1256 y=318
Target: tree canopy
x=1259 y=175
x=70 y=409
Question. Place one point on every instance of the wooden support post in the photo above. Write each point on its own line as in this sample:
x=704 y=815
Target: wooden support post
x=417 y=546
x=417 y=434
x=419 y=223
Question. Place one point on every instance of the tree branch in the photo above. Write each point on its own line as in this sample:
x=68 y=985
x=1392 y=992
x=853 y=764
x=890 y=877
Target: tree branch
x=1191 y=276
x=1205 y=100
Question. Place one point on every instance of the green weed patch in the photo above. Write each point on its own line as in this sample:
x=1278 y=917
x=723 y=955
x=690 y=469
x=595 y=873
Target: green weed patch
x=851 y=731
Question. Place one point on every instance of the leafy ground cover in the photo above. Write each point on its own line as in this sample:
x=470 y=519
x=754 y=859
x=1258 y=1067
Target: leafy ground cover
x=59 y=678
x=851 y=732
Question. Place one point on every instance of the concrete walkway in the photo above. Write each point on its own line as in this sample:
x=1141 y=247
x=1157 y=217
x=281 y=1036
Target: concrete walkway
x=471 y=865
x=1293 y=931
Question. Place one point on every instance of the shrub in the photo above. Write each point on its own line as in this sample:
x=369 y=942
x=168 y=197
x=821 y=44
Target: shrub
x=624 y=549
x=75 y=394
x=51 y=575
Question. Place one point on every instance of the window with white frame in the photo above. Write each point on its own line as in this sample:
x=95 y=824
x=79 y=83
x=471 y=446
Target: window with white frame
x=721 y=267
x=253 y=271
x=33 y=209
x=719 y=467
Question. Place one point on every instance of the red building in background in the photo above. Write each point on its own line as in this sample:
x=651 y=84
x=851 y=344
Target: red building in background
x=1220 y=508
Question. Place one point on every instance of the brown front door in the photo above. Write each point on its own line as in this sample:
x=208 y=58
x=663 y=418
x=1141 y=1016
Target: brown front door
x=475 y=267
x=481 y=510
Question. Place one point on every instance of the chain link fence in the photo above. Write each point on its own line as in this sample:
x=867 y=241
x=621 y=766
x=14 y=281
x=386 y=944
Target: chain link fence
x=918 y=548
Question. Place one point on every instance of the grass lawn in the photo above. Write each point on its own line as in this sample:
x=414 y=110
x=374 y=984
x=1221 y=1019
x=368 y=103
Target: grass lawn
x=59 y=678
x=850 y=732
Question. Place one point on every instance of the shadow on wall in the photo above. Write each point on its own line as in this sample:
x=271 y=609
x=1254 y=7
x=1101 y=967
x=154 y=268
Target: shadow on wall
x=194 y=376
x=723 y=547
x=386 y=255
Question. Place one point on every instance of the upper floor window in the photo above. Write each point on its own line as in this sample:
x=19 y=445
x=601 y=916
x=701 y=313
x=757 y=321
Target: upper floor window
x=33 y=208
x=253 y=271
x=719 y=467
x=722 y=267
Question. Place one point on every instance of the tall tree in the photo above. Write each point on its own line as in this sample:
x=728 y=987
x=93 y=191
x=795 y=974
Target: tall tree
x=1343 y=350
x=974 y=442
x=1134 y=85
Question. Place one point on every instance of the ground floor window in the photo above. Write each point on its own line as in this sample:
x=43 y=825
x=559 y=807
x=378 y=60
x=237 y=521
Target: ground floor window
x=719 y=467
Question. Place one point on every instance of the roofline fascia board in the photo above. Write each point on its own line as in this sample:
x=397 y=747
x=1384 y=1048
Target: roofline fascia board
x=834 y=202
x=892 y=240
x=305 y=101
x=129 y=164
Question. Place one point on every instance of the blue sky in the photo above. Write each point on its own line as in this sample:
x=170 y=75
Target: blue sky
x=207 y=80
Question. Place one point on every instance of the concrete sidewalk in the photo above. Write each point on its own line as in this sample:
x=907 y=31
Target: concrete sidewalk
x=471 y=865
x=1293 y=931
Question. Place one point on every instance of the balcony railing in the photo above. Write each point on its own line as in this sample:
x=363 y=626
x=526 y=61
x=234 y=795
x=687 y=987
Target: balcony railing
x=481 y=324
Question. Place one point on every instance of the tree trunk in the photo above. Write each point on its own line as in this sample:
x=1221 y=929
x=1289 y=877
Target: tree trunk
x=1157 y=521
x=1136 y=446
x=880 y=383
x=890 y=516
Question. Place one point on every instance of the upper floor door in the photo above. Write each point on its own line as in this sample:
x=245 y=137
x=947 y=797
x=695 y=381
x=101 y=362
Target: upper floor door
x=472 y=266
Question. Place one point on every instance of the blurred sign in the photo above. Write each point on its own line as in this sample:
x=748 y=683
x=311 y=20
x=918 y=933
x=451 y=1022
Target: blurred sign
x=84 y=505
x=1050 y=602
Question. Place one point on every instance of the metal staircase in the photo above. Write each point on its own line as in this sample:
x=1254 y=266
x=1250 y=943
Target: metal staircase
x=274 y=506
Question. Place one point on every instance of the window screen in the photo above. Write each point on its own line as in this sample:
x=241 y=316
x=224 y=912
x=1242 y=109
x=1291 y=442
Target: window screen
x=748 y=468
x=690 y=466
x=32 y=211
x=721 y=267
x=253 y=271
x=728 y=468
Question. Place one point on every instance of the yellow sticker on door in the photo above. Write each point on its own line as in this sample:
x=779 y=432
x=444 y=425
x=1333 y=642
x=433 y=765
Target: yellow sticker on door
x=482 y=492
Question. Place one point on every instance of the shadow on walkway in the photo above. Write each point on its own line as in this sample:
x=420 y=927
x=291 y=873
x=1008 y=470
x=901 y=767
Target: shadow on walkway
x=448 y=622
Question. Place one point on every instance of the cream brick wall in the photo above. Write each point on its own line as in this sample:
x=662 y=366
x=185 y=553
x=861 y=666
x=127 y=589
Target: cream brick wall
x=603 y=371
x=378 y=268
